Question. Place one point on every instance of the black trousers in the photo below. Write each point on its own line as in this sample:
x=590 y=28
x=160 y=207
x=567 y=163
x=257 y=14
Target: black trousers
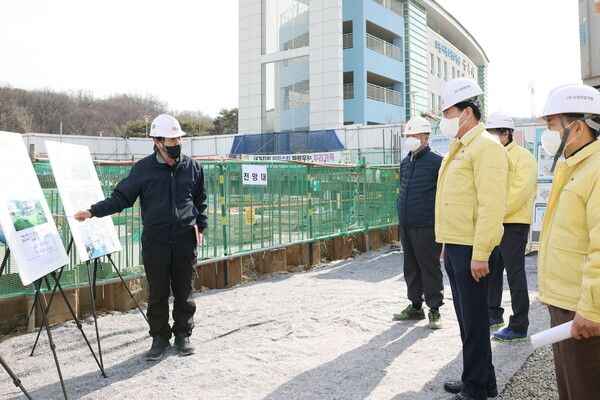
x=422 y=270
x=170 y=267
x=470 y=304
x=512 y=258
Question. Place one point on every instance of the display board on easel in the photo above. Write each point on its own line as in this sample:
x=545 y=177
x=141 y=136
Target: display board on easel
x=79 y=188
x=25 y=217
x=545 y=178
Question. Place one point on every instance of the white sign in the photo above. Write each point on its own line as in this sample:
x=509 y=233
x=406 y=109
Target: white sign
x=545 y=178
x=254 y=175
x=327 y=157
x=538 y=217
x=79 y=188
x=25 y=216
x=544 y=163
x=543 y=192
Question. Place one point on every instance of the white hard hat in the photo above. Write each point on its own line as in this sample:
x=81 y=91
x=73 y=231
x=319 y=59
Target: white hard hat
x=459 y=90
x=166 y=126
x=417 y=125
x=575 y=99
x=499 y=120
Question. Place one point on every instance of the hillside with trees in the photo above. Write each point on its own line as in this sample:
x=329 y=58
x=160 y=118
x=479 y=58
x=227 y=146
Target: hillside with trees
x=80 y=113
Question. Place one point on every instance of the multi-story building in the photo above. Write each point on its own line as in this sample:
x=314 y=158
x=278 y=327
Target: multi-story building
x=589 y=41
x=322 y=64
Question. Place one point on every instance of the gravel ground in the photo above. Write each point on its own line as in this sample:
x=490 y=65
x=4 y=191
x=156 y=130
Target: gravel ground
x=326 y=333
x=536 y=379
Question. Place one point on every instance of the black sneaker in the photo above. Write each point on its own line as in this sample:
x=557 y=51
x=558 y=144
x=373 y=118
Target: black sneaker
x=159 y=345
x=182 y=342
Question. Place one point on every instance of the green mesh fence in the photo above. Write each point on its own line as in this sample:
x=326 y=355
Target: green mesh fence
x=302 y=202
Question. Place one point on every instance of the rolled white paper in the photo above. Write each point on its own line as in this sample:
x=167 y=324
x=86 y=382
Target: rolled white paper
x=552 y=335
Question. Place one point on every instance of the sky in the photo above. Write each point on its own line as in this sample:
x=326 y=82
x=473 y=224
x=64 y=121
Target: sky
x=185 y=52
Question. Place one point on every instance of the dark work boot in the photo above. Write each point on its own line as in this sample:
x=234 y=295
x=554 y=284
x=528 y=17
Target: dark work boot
x=182 y=342
x=456 y=387
x=159 y=345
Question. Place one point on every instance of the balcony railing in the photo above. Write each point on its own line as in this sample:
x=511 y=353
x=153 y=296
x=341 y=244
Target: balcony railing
x=381 y=46
x=392 y=5
x=386 y=95
x=348 y=41
x=348 y=90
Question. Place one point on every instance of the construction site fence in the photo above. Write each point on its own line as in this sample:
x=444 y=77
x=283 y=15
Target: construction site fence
x=251 y=205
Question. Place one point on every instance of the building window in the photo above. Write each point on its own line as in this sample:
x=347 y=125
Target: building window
x=453 y=72
x=432 y=108
x=431 y=63
x=285 y=25
x=286 y=95
x=439 y=104
x=445 y=71
x=439 y=67
x=349 y=85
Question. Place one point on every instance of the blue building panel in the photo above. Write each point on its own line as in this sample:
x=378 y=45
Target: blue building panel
x=383 y=17
x=294 y=72
x=383 y=65
x=383 y=113
x=361 y=60
x=354 y=111
x=292 y=30
x=294 y=118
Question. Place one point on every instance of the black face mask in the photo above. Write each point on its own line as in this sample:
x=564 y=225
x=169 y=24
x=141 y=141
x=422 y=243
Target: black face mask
x=174 y=152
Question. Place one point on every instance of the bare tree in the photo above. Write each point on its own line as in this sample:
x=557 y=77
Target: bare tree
x=81 y=113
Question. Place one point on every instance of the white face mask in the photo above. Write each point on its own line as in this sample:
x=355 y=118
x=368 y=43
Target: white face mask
x=450 y=126
x=412 y=143
x=551 y=141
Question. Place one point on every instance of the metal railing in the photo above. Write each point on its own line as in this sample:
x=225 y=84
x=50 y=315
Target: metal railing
x=381 y=46
x=301 y=202
x=391 y=5
x=348 y=40
x=386 y=95
x=348 y=90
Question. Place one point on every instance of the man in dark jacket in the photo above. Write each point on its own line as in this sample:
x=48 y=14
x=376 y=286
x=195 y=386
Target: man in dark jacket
x=172 y=196
x=416 y=210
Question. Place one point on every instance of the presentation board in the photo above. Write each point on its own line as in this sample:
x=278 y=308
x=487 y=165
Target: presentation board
x=79 y=188
x=25 y=217
x=545 y=179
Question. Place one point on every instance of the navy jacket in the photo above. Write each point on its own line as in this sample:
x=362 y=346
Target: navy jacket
x=418 y=181
x=172 y=199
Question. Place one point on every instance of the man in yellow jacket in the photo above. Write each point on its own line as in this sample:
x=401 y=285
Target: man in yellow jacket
x=511 y=255
x=469 y=208
x=569 y=251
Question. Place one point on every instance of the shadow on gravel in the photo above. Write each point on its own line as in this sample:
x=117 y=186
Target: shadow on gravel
x=370 y=267
x=434 y=389
x=83 y=385
x=355 y=374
